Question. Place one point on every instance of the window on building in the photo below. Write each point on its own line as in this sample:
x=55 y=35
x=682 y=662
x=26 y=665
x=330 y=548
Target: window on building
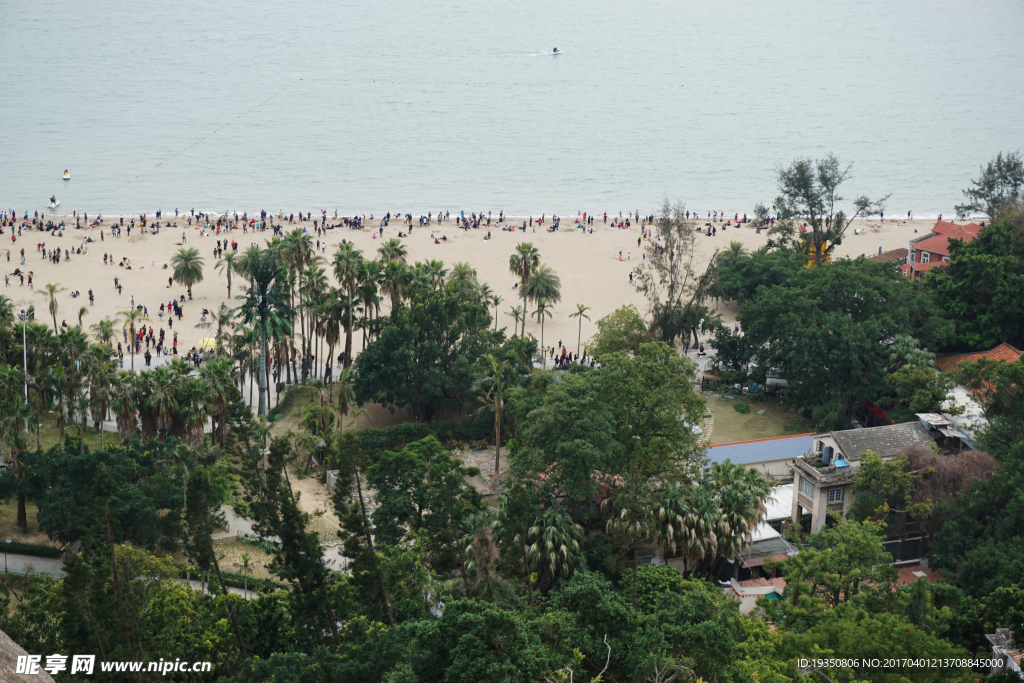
x=945 y=259
x=835 y=495
x=807 y=488
x=925 y=256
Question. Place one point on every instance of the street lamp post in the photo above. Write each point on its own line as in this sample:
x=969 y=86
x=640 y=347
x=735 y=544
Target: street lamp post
x=5 y=554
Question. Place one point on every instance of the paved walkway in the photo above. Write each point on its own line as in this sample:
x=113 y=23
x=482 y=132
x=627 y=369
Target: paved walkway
x=22 y=563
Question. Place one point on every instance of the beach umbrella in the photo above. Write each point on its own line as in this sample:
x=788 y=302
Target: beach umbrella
x=208 y=341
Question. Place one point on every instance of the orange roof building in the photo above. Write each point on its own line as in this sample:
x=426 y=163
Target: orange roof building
x=1004 y=352
x=932 y=250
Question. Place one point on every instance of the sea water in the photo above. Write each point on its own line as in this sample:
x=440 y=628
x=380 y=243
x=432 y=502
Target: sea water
x=418 y=106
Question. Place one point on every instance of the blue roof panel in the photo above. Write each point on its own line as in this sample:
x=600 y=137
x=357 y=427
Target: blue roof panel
x=764 y=450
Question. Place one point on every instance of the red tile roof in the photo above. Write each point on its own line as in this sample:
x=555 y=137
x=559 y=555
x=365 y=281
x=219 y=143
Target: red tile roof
x=758 y=561
x=1003 y=352
x=943 y=227
x=911 y=574
x=939 y=243
x=923 y=267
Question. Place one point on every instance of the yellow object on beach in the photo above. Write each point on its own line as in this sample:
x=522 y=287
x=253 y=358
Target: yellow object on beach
x=208 y=341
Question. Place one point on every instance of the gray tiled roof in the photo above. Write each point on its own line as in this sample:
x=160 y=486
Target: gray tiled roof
x=885 y=441
x=764 y=450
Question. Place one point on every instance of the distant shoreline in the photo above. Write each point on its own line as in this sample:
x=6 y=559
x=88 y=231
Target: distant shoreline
x=184 y=215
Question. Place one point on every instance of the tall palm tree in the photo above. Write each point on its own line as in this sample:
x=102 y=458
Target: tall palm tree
x=50 y=291
x=541 y=313
x=313 y=284
x=188 y=267
x=581 y=313
x=217 y=373
x=196 y=398
x=742 y=495
x=462 y=281
x=394 y=278
x=632 y=516
x=346 y=395
x=264 y=305
x=130 y=320
x=123 y=399
x=544 y=284
x=522 y=263
x=229 y=263
x=437 y=273
x=245 y=569
x=348 y=265
x=517 y=314
x=495 y=301
x=490 y=389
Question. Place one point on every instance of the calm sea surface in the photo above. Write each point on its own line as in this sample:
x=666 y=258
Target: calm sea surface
x=416 y=106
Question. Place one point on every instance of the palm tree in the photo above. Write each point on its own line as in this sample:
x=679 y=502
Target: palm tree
x=905 y=350
x=517 y=313
x=632 y=517
x=188 y=267
x=346 y=395
x=104 y=331
x=221 y=320
x=348 y=265
x=462 y=281
x=82 y=312
x=229 y=263
x=51 y=291
x=688 y=522
x=556 y=541
x=123 y=399
x=541 y=313
x=392 y=250
x=217 y=373
x=196 y=400
x=543 y=284
x=264 y=305
x=522 y=263
x=490 y=389
x=495 y=300
x=245 y=569
x=436 y=272
x=130 y=320
x=742 y=495
x=394 y=277
x=581 y=313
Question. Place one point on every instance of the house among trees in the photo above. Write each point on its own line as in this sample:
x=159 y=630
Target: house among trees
x=931 y=250
x=823 y=479
x=1003 y=650
x=971 y=415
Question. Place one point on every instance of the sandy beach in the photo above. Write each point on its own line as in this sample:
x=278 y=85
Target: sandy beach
x=588 y=265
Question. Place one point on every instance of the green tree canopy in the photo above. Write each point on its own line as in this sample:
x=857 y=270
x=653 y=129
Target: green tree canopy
x=980 y=287
x=621 y=330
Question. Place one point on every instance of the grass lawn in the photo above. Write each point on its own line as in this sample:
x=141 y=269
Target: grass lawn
x=8 y=528
x=731 y=426
x=49 y=434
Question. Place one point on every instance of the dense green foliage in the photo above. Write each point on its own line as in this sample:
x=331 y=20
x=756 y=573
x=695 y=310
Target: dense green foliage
x=826 y=330
x=980 y=287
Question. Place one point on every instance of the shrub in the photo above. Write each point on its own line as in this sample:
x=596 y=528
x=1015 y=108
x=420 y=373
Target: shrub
x=741 y=407
x=19 y=548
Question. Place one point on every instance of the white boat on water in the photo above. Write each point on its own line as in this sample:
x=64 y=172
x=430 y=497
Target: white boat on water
x=66 y=176
x=53 y=204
